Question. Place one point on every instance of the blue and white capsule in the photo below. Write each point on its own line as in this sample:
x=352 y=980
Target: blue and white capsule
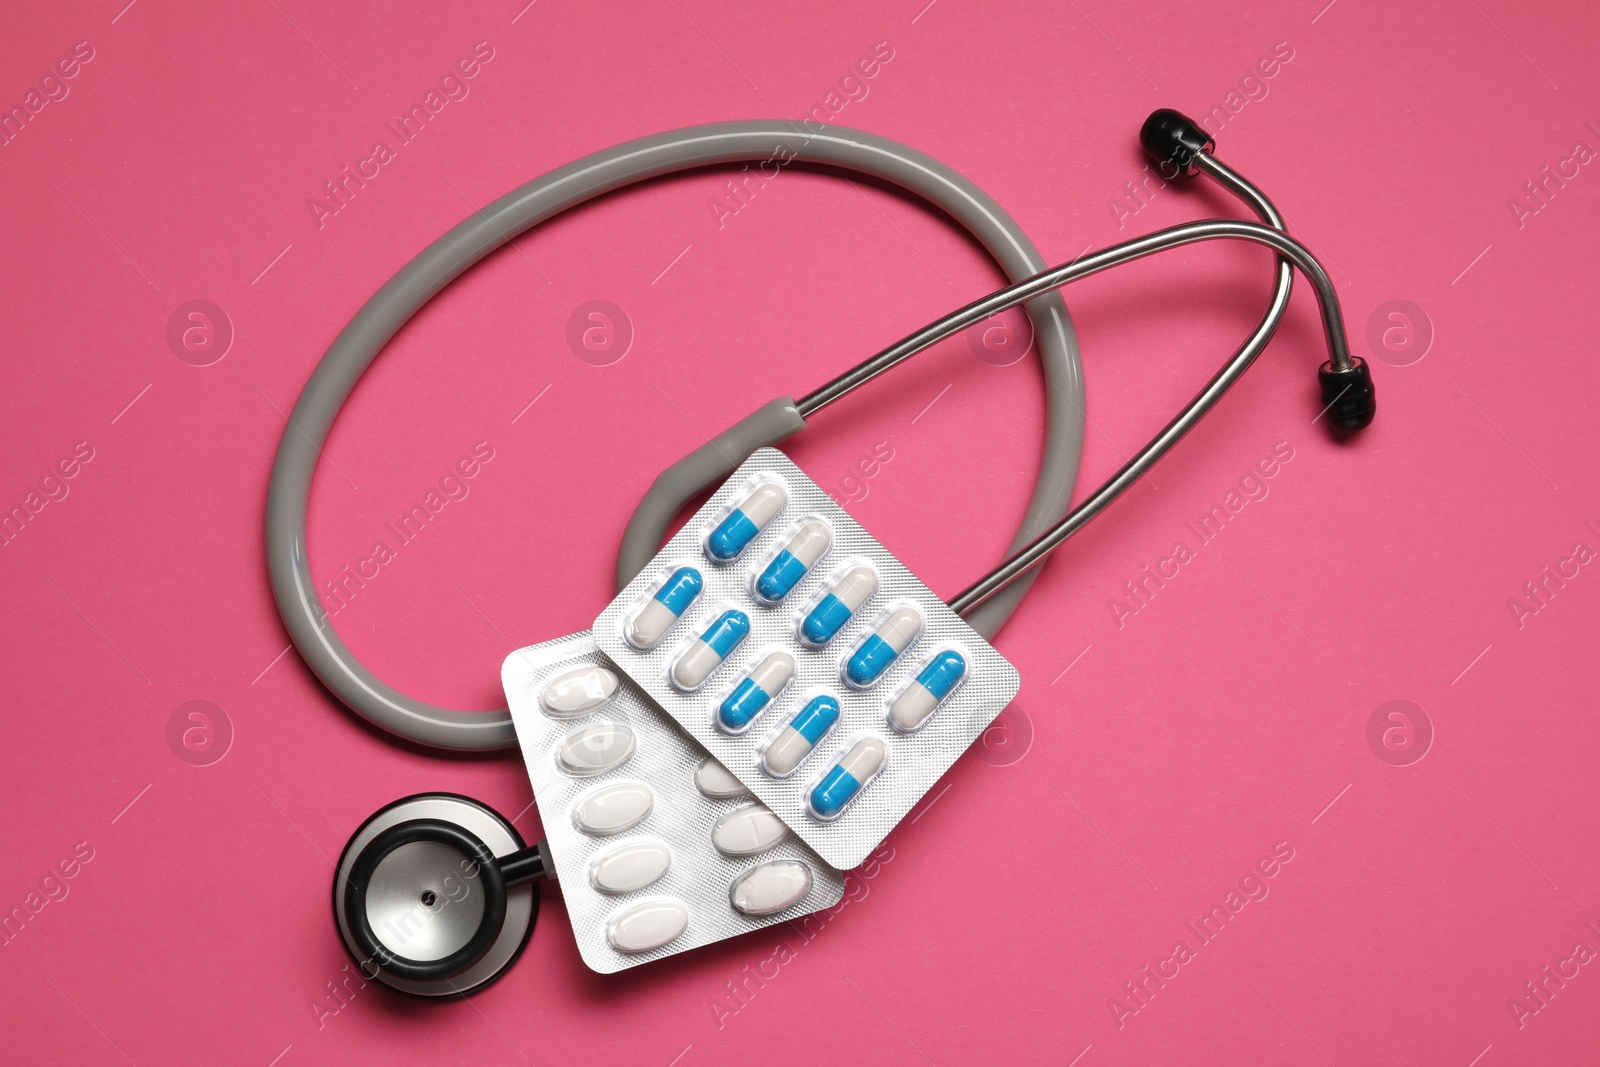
x=838 y=606
x=754 y=693
x=734 y=533
x=938 y=679
x=791 y=745
x=846 y=778
x=793 y=562
x=716 y=644
x=651 y=623
x=897 y=632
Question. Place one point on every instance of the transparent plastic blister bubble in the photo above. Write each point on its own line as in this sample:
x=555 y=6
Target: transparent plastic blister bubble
x=870 y=673
x=658 y=849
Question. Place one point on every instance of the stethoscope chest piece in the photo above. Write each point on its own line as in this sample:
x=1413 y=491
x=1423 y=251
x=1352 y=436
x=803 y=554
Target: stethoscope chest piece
x=434 y=895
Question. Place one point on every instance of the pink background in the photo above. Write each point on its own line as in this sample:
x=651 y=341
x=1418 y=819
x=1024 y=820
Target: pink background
x=1160 y=760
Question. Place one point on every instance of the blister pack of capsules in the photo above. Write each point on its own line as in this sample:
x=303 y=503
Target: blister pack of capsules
x=657 y=847
x=806 y=658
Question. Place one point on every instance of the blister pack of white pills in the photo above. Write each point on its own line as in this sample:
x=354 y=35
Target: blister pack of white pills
x=657 y=847
x=806 y=658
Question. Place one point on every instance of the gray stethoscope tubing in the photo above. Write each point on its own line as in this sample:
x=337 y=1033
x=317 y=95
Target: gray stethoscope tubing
x=989 y=601
x=497 y=224
x=402 y=857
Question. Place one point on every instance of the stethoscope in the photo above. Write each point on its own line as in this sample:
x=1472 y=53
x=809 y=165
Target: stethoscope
x=452 y=880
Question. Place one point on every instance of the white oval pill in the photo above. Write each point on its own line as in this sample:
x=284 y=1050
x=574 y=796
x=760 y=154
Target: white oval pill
x=595 y=749
x=648 y=924
x=717 y=782
x=747 y=830
x=613 y=808
x=578 y=691
x=771 y=887
x=630 y=866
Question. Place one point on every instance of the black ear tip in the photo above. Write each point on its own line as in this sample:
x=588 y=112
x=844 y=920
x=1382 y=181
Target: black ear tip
x=1172 y=140
x=1347 y=396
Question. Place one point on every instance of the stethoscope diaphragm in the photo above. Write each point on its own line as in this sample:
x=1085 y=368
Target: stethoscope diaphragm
x=434 y=894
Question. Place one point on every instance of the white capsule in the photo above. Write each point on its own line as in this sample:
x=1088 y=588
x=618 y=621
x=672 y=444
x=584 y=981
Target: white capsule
x=755 y=691
x=595 y=749
x=629 y=866
x=665 y=607
x=648 y=924
x=695 y=666
x=856 y=586
x=651 y=624
x=912 y=708
x=845 y=778
x=771 y=887
x=765 y=501
x=883 y=646
x=810 y=542
x=577 y=692
x=717 y=782
x=748 y=830
x=715 y=644
x=838 y=605
x=793 y=562
x=786 y=752
x=613 y=808
x=863 y=759
x=745 y=522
